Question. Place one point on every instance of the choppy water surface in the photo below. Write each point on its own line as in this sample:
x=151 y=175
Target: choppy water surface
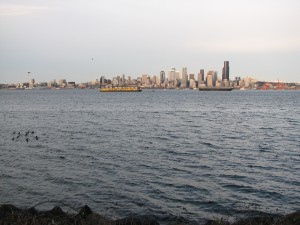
x=169 y=154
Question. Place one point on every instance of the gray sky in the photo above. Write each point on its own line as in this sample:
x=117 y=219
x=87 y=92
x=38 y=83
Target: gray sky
x=56 y=39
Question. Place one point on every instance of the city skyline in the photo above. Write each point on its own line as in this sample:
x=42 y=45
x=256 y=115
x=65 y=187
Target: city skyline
x=82 y=41
x=171 y=74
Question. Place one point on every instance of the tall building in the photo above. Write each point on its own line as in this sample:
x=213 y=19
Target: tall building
x=210 y=78
x=172 y=74
x=162 y=77
x=177 y=75
x=215 y=78
x=184 y=77
x=193 y=83
x=154 y=78
x=201 y=75
x=225 y=71
x=102 y=80
x=144 y=78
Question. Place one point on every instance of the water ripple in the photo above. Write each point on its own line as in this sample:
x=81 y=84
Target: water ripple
x=175 y=155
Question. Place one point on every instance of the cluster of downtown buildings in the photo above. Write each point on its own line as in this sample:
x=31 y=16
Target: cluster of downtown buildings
x=175 y=79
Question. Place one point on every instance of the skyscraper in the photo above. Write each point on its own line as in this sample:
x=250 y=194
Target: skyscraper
x=211 y=78
x=102 y=82
x=144 y=78
x=201 y=75
x=162 y=77
x=225 y=71
x=172 y=74
x=154 y=78
x=184 y=77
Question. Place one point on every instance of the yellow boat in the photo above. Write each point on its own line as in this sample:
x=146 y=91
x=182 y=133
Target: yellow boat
x=120 y=89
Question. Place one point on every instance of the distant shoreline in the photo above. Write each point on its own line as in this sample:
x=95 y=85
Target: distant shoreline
x=147 y=88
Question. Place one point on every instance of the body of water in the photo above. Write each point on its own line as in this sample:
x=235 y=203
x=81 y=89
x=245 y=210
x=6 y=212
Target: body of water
x=167 y=153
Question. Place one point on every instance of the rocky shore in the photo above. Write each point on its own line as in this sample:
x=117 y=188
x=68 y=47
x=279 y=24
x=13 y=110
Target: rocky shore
x=11 y=215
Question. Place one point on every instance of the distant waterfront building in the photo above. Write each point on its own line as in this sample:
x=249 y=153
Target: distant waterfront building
x=184 y=77
x=154 y=78
x=215 y=78
x=52 y=83
x=43 y=84
x=144 y=79
x=115 y=81
x=177 y=75
x=31 y=83
x=193 y=83
x=158 y=82
x=225 y=71
x=62 y=82
x=148 y=81
x=172 y=74
x=94 y=82
x=210 y=78
x=191 y=76
x=201 y=75
x=102 y=80
x=71 y=84
x=162 y=77
x=237 y=80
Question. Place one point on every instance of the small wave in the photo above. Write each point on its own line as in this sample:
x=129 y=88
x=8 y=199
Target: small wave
x=209 y=145
x=234 y=176
x=266 y=128
x=264 y=194
x=162 y=138
x=5 y=176
x=239 y=188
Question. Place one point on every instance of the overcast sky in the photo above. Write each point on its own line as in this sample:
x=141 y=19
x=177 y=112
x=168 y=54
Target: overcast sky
x=81 y=40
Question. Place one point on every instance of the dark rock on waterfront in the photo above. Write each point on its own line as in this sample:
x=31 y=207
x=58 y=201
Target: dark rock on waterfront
x=137 y=221
x=7 y=210
x=291 y=219
x=11 y=215
x=85 y=211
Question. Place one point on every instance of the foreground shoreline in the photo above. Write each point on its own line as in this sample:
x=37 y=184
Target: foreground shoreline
x=12 y=215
